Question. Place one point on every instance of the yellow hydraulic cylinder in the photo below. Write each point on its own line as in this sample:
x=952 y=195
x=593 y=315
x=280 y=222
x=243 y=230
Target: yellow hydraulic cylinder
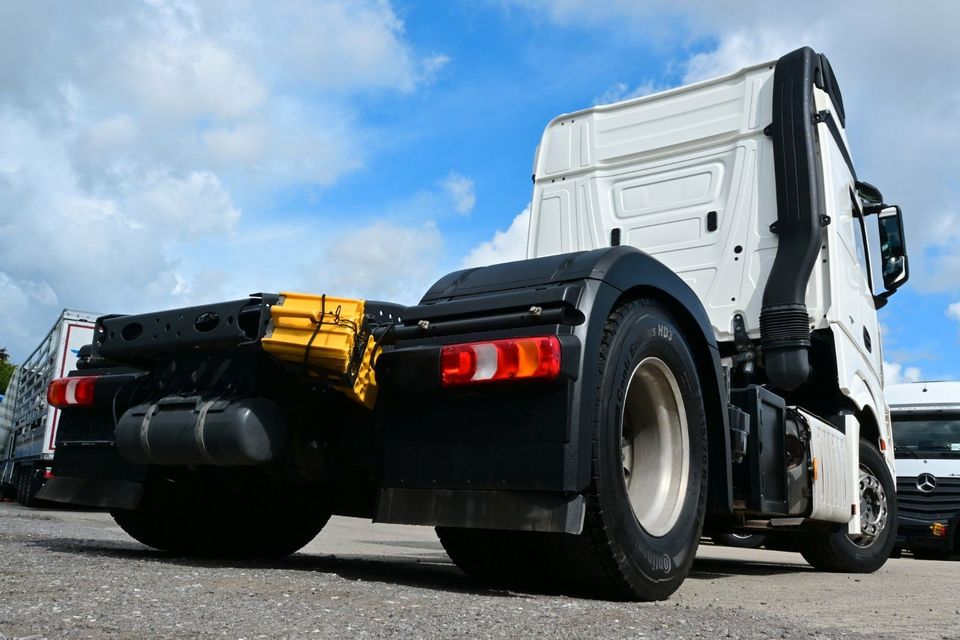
x=329 y=338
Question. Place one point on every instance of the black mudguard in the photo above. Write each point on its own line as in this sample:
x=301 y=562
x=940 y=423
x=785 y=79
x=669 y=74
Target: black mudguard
x=526 y=437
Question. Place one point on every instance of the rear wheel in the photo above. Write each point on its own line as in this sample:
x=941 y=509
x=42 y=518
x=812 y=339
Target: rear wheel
x=204 y=517
x=866 y=552
x=647 y=498
x=646 y=504
x=499 y=559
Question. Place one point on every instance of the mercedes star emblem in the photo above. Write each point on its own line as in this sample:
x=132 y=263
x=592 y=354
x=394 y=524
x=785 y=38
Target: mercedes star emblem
x=926 y=482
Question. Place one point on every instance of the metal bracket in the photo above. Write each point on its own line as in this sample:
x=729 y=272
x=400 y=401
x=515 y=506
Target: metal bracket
x=745 y=350
x=740 y=337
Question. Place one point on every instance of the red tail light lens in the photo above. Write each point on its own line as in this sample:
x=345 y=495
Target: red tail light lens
x=513 y=359
x=71 y=392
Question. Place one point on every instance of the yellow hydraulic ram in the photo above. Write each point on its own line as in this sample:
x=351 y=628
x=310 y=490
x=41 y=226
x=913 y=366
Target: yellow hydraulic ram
x=329 y=337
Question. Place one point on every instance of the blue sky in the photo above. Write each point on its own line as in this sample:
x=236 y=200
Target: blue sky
x=167 y=153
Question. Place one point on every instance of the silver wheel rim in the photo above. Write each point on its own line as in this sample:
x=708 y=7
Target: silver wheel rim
x=873 y=509
x=655 y=447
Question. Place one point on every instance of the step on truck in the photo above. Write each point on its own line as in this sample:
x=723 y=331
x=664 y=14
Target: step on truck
x=926 y=425
x=691 y=347
x=28 y=423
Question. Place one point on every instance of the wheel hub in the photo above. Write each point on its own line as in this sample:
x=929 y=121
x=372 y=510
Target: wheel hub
x=873 y=508
x=655 y=446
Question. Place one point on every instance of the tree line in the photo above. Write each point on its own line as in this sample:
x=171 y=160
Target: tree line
x=6 y=370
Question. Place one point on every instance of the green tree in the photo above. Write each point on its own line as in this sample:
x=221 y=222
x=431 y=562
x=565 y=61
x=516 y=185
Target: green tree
x=6 y=370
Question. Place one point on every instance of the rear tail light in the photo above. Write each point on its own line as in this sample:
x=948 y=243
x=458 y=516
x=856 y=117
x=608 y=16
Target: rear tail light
x=512 y=359
x=47 y=473
x=71 y=392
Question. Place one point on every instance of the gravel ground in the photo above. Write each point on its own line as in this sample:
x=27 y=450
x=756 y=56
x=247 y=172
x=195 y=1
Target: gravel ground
x=76 y=575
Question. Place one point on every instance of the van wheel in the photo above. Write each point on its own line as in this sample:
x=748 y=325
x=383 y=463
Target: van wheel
x=840 y=552
x=647 y=498
x=201 y=517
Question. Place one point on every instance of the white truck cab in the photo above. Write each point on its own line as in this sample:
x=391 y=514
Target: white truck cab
x=689 y=176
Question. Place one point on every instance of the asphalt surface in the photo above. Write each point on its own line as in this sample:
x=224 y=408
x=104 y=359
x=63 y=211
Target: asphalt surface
x=75 y=574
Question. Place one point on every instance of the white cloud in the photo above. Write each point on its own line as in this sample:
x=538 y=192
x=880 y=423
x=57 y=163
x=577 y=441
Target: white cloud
x=134 y=135
x=739 y=49
x=505 y=246
x=622 y=91
x=344 y=45
x=896 y=373
x=380 y=261
x=190 y=78
x=193 y=205
x=460 y=189
x=953 y=311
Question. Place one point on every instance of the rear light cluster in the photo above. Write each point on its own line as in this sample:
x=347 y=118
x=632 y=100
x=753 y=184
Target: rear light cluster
x=512 y=359
x=71 y=392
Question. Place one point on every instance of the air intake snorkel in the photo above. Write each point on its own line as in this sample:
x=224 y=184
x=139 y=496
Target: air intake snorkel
x=784 y=321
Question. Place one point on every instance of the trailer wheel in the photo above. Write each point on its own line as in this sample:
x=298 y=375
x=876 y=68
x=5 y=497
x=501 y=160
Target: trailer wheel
x=837 y=551
x=21 y=490
x=27 y=486
x=647 y=499
x=201 y=517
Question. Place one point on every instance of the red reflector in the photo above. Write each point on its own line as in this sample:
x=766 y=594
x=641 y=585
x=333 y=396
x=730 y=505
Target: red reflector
x=71 y=392
x=512 y=359
x=47 y=474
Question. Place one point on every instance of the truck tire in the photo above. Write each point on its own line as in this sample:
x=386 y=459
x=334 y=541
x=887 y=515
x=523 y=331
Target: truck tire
x=647 y=497
x=839 y=552
x=18 y=483
x=739 y=540
x=498 y=559
x=210 y=519
x=27 y=486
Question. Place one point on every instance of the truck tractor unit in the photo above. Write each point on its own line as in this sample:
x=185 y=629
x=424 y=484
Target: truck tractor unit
x=28 y=423
x=926 y=425
x=691 y=347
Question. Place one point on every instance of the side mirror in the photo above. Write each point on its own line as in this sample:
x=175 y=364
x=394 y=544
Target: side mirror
x=894 y=265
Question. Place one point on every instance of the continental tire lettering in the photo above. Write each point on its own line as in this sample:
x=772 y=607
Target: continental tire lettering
x=660 y=563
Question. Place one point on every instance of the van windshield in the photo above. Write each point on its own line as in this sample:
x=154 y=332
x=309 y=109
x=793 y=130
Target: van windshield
x=934 y=435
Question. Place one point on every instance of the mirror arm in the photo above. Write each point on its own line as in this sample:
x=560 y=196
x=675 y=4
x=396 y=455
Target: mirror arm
x=880 y=300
